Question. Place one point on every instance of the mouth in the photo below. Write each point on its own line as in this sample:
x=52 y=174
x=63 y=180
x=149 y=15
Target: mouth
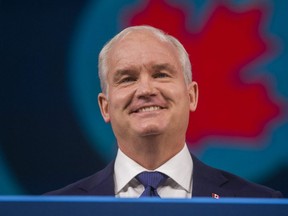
x=147 y=109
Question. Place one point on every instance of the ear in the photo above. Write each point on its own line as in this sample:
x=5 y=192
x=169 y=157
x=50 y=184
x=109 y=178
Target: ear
x=193 y=95
x=103 y=105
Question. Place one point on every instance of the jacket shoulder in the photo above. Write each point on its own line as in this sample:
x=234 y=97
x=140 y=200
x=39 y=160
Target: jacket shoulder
x=100 y=183
x=245 y=188
x=208 y=180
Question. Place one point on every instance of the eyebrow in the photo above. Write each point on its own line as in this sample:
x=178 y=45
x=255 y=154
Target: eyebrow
x=122 y=72
x=166 y=66
x=131 y=71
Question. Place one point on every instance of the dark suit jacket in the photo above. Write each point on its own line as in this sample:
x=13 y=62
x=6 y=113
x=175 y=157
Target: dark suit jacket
x=206 y=180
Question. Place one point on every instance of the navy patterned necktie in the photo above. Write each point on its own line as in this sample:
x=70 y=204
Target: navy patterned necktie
x=151 y=181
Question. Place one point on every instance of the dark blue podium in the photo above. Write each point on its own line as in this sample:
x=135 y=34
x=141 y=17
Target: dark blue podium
x=88 y=205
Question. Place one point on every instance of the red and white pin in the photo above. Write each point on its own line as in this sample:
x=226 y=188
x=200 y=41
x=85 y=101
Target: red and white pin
x=215 y=196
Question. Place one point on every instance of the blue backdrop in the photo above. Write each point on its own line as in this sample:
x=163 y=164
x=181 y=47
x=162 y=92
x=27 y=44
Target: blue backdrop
x=51 y=130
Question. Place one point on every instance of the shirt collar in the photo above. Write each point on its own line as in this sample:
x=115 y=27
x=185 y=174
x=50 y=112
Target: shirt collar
x=179 y=168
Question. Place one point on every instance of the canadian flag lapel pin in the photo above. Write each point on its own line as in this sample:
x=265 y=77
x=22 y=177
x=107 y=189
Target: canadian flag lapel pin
x=215 y=196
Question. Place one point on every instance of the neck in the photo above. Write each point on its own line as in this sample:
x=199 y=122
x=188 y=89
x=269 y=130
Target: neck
x=151 y=152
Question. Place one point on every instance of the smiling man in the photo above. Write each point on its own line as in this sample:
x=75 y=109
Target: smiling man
x=147 y=95
x=147 y=99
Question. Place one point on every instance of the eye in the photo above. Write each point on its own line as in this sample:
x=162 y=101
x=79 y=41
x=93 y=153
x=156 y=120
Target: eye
x=127 y=79
x=161 y=75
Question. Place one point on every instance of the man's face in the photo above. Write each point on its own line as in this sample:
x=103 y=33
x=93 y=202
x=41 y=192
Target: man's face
x=147 y=94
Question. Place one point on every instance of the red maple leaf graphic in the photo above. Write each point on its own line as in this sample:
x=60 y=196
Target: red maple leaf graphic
x=219 y=52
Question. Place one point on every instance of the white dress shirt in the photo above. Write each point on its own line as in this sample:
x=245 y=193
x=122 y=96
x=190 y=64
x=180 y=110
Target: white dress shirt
x=178 y=169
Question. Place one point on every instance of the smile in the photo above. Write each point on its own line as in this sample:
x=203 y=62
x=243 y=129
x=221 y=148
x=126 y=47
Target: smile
x=148 y=109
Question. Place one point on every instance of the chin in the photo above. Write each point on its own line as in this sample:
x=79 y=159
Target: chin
x=150 y=131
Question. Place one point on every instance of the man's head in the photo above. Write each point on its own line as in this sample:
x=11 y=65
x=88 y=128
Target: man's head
x=148 y=91
x=103 y=56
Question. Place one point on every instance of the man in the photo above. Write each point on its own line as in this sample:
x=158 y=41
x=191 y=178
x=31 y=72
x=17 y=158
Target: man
x=147 y=95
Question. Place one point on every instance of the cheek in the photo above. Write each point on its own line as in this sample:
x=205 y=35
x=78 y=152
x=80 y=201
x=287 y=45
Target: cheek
x=177 y=93
x=182 y=101
x=119 y=98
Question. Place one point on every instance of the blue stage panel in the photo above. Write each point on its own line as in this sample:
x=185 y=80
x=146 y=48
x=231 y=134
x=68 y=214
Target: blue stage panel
x=82 y=206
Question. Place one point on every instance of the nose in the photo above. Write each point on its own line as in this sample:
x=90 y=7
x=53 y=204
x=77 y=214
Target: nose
x=145 y=87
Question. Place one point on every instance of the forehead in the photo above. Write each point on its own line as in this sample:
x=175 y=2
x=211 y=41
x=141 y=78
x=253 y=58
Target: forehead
x=141 y=48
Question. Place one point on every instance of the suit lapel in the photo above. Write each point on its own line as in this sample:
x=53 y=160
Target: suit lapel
x=101 y=183
x=207 y=180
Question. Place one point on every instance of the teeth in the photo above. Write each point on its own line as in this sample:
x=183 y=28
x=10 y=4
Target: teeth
x=149 y=109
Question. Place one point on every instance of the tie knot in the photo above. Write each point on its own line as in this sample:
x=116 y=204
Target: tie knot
x=152 y=179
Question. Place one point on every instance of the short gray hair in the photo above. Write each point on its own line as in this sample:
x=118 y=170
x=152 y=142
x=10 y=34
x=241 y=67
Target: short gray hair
x=183 y=55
